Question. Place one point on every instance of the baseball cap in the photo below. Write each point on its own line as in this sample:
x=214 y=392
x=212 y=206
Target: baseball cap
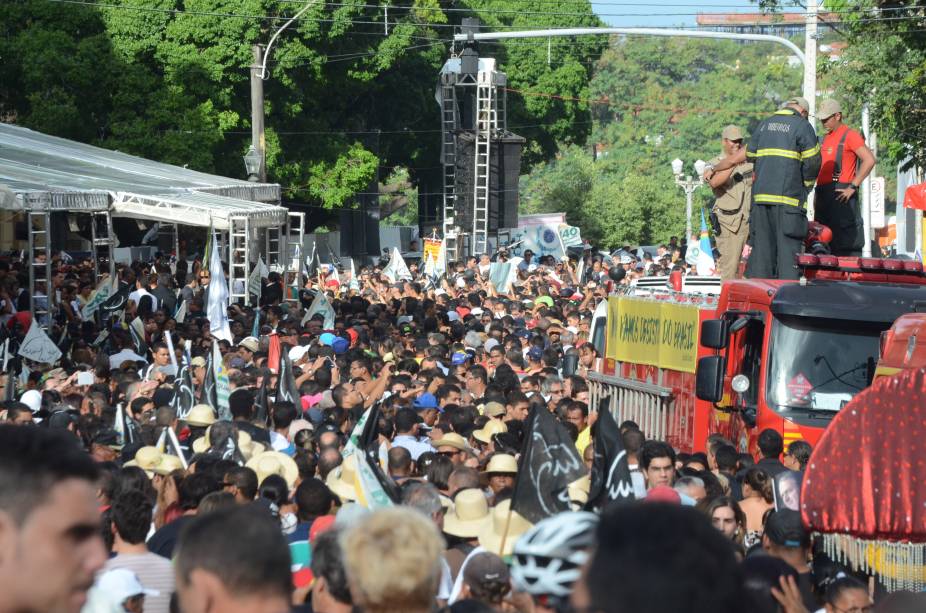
x=828 y=108
x=663 y=493
x=535 y=354
x=340 y=345
x=327 y=338
x=799 y=101
x=120 y=584
x=494 y=409
x=485 y=568
x=490 y=344
x=459 y=358
x=626 y=259
x=785 y=528
x=298 y=352
x=425 y=401
x=732 y=132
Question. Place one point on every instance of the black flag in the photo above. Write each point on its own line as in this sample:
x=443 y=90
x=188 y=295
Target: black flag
x=610 y=472
x=286 y=382
x=369 y=443
x=208 y=391
x=549 y=463
x=117 y=301
x=183 y=390
x=263 y=410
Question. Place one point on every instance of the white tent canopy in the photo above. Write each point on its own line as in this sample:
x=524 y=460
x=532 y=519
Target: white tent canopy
x=54 y=174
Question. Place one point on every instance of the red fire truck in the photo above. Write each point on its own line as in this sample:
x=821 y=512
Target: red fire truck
x=774 y=354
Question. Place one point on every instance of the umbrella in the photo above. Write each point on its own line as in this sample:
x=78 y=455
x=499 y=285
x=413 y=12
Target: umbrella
x=863 y=491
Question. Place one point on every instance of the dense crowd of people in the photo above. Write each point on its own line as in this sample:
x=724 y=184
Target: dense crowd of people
x=136 y=489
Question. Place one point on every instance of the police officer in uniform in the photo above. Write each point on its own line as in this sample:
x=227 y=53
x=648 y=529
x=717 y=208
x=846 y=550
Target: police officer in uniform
x=786 y=154
x=730 y=213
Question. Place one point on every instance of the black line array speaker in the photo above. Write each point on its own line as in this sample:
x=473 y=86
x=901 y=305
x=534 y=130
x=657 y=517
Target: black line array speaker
x=504 y=169
x=360 y=228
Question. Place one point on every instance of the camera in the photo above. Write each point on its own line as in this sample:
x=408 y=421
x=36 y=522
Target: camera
x=739 y=176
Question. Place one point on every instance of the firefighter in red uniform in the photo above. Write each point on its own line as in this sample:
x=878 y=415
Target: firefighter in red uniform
x=846 y=161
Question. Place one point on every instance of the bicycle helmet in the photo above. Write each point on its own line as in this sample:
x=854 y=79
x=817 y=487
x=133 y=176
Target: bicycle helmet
x=548 y=557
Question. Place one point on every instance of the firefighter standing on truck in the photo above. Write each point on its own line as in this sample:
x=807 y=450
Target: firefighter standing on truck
x=730 y=213
x=787 y=160
x=836 y=203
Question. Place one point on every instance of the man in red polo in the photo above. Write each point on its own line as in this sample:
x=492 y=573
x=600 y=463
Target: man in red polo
x=846 y=161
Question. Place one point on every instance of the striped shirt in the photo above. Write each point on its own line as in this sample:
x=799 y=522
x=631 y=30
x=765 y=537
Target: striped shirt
x=154 y=572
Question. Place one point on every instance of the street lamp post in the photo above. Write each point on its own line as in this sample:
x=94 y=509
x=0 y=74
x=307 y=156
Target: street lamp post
x=688 y=184
x=253 y=162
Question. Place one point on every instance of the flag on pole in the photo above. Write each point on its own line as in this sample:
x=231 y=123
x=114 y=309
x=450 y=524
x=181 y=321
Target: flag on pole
x=286 y=381
x=217 y=308
x=258 y=274
x=374 y=489
x=137 y=330
x=549 y=462
x=273 y=354
x=118 y=297
x=222 y=386
x=705 y=263
x=255 y=330
x=208 y=391
x=397 y=269
x=100 y=295
x=320 y=305
x=169 y=341
x=354 y=281
x=503 y=274
x=183 y=399
x=610 y=478
x=262 y=417
x=180 y=315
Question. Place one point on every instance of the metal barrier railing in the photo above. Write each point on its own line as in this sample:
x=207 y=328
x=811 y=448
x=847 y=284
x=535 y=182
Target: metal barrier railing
x=645 y=403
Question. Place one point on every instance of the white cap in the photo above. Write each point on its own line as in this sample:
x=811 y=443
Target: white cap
x=33 y=400
x=453 y=316
x=489 y=344
x=120 y=584
x=298 y=352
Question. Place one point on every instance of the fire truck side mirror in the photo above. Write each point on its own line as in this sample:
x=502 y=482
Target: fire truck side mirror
x=715 y=333
x=709 y=378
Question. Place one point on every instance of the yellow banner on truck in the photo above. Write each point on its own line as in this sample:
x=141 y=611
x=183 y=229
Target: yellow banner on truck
x=654 y=333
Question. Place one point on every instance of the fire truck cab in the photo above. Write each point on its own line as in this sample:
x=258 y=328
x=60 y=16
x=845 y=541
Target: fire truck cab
x=789 y=355
x=786 y=355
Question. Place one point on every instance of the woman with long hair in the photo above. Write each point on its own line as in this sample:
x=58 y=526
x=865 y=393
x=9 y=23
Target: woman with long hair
x=727 y=516
x=758 y=498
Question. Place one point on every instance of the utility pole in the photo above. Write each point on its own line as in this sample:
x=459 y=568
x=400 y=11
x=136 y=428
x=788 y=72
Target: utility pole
x=810 y=76
x=257 y=110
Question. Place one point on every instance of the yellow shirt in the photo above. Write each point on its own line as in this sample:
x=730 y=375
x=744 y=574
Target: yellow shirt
x=584 y=440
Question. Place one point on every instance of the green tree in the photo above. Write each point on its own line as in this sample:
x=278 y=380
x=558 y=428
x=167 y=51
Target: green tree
x=657 y=99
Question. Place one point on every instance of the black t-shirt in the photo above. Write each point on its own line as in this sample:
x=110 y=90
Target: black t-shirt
x=805 y=585
x=163 y=541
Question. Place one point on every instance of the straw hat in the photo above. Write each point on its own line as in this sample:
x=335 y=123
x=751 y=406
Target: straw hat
x=469 y=516
x=200 y=415
x=494 y=409
x=341 y=480
x=147 y=458
x=578 y=490
x=169 y=463
x=246 y=445
x=493 y=532
x=491 y=428
x=274 y=463
x=502 y=463
x=451 y=439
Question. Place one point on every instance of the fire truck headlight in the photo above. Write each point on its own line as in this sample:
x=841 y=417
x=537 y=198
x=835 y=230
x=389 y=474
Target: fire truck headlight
x=740 y=383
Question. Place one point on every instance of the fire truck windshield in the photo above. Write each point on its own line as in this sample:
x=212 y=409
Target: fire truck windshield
x=820 y=364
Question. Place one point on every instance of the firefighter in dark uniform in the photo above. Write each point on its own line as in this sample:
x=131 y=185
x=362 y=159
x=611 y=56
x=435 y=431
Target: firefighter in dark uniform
x=786 y=155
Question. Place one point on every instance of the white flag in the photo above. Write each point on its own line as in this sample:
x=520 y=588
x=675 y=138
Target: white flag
x=354 y=281
x=396 y=269
x=181 y=313
x=321 y=305
x=100 y=295
x=260 y=272
x=38 y=347
x=217 y=309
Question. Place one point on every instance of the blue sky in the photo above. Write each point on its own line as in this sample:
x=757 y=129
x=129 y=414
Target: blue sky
x=671 y=13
